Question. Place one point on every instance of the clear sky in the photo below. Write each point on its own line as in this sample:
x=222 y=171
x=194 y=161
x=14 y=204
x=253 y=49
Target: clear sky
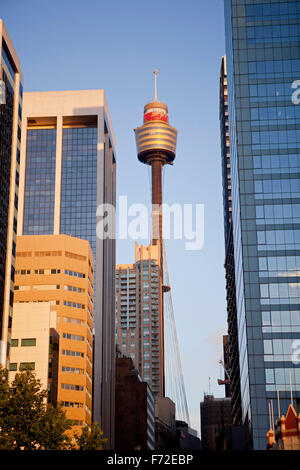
x=116 y=45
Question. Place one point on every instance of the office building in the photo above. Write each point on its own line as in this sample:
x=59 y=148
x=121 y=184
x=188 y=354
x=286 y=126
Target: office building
x=35 y=344
x=11 y=91
x=59 y=269
x=139 y=312
x=263 y=66
x=134 y=408
x=215 y=421
x=68 y=171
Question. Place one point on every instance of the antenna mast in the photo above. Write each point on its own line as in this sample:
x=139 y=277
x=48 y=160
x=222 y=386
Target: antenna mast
x=155 y=84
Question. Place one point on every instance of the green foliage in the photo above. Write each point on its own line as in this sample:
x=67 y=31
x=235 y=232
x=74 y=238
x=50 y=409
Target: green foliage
x=91 y=438
x=26 y=421
x=53 y=425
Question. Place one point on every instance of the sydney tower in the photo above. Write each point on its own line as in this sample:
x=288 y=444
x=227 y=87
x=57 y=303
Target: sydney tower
x=156 y=146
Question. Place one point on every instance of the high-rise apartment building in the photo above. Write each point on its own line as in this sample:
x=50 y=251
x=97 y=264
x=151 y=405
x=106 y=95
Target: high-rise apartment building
x=68 y=170
x=59 y=269
x=10 y=139
x=138 y=314
x=263 y=67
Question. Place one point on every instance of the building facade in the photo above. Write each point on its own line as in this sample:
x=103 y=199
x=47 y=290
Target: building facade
x=68 y=172
x=138 y=314
x=215 y=421
x=10 y=141
x=59 y=269
x=232 y=364
x=35 y=344
x=134 y=409
x=263 y=67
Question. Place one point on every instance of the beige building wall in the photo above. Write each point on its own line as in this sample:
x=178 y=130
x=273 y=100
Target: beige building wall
x=59 y=269
x=15 y=123
x=32 y=321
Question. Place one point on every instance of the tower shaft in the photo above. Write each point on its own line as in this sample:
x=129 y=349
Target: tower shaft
x=156 y=217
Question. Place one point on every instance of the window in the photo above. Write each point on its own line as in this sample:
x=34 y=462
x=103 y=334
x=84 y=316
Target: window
x=28 y=342
x=27 y=365
x=13 y=366
x=14 y=343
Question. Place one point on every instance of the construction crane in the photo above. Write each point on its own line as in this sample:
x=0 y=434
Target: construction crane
x=225 y=381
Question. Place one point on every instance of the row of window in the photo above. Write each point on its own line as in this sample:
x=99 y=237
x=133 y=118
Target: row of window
x=72 y=404
x=67 y=303
x=77 y=388
x=280 y=290
x=68 y=352
x=273 y=33
x=272 y=11
x=73 y=337
x=72 y=370
x=24 y=272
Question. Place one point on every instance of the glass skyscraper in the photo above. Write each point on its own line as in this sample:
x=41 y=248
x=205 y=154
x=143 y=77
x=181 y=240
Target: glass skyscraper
x=263 y=69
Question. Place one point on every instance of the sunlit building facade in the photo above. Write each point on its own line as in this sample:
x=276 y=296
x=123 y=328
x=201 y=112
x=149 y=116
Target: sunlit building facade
x=263 y=69
x=58 y=270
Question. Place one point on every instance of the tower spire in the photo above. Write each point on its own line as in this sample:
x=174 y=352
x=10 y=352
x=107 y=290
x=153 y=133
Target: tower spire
x=155 y=84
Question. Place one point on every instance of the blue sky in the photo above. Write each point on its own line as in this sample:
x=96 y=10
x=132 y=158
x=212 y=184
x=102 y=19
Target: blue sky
x=115 y=45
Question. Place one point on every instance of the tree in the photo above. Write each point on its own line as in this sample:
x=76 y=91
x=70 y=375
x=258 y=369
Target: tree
x=53 y=425
x=26 y=421
x=91 y=438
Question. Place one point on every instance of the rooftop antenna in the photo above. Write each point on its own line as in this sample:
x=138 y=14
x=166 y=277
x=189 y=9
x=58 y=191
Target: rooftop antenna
x=291 y=388
x=270 y=419
x=272 y=414
x=155 y=84
x=209 y=386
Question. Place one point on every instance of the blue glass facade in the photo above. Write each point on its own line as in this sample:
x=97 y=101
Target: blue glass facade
x=263 y=62
x=79 y=184
x=40 y=182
